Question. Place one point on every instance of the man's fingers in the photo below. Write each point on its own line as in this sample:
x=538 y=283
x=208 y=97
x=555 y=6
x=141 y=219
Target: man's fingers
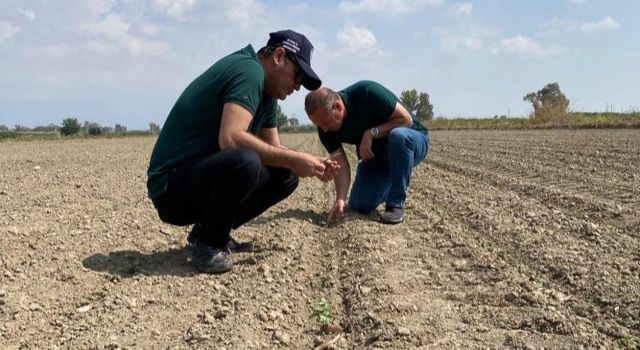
x=330 y=217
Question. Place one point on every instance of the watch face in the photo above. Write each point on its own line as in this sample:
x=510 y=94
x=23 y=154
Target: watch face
x=374 y=131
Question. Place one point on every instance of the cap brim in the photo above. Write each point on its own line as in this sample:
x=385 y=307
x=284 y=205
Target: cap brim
x=311 y=81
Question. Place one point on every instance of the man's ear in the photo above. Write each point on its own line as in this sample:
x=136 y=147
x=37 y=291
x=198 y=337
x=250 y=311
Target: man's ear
x=279 y=55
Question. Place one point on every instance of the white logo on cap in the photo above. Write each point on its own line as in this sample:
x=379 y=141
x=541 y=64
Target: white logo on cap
x=291 y=45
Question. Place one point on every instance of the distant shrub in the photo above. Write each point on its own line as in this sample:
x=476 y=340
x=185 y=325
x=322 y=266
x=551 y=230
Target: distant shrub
x=70 y=126
x=95 y=129
x=550 y=105
x=292 y=129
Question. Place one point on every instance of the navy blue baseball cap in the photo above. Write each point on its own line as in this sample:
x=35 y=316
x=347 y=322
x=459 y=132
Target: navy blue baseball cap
x=301 y=48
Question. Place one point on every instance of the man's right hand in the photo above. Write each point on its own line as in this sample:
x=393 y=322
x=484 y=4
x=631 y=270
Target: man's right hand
x=331 y=168
x=306 y=165
x=337 y=211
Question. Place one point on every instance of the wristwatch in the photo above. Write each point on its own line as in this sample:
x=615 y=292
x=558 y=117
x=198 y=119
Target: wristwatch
x=374 y=132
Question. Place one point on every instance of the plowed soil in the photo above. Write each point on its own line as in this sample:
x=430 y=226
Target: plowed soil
x=513 y=240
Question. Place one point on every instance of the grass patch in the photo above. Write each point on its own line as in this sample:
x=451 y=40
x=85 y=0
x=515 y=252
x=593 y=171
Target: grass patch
x=28 y=136
x=573 y=120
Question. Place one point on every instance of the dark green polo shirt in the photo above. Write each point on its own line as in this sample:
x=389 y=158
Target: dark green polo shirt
x=193 y=125
x=368 y=104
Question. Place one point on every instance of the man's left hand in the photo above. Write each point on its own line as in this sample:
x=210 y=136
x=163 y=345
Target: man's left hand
x=365 y=150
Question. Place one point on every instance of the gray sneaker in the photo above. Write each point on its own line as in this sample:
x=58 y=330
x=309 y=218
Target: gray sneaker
x=233 y=246
x=392 y=215
x=209 y=259
x=240 y=247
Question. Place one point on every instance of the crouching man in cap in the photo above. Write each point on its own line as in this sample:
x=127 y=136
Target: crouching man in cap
x=389 y=140
x=218 y=161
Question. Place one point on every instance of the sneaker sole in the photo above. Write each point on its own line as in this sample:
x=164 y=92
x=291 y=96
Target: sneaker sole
x=391 y=222
x=211 y=269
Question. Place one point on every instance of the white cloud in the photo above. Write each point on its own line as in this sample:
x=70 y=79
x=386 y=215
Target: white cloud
x=463 y=8
x=57 y=51
x=30 y=15
x=454 y=41
x=358 y=39
x=176 y=9
x=100 y=47
x=520 y=45
x=386 y=6
x=98 y=7
x=557 y=25
x=149 y=29
x=7 y=31
x=245 y=13
x=115 y=30
x=463 y=32
x=606 y=23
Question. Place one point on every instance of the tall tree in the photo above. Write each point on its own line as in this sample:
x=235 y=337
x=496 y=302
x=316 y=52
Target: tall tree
x=70 y=126
x=120 y=129
x=94 y=129
x=154 y=128
x=548 y=103
x=20 y=128
x=293 y=121
x=417 y=103
x=281 y=118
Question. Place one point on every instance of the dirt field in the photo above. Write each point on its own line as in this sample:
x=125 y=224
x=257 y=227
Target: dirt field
x=513 y=240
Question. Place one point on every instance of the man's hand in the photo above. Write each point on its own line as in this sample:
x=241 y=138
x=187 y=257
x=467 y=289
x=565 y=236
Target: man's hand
x=337 y=211
x=306 y=165
x=331 y=168
x=365 y=146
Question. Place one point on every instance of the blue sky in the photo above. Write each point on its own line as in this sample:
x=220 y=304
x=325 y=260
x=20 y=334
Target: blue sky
x=126 y=61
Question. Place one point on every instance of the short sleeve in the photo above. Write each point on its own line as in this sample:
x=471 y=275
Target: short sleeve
x=244 y=85
x=382 y=100
x=270 y=112
x=330 y=140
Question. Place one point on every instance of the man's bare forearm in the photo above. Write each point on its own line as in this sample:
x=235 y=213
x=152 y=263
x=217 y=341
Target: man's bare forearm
x=270 y=155
x=399 y=118
x=343 y=178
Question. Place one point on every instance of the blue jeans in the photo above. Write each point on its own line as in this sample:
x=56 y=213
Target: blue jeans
x=385 y=179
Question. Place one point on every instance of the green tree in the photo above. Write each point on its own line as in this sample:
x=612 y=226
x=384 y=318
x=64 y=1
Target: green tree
x=94 y=129
x=48 y=128
x=70 y=126
x=417 y=103
x=293 y=121
x=120 y=129
x=154 y=128
x=4 y=128
x=549 y=103
x=281 y=118
x=21 y=128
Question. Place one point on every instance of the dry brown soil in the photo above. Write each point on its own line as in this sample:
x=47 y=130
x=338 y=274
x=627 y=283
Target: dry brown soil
x=513 y=240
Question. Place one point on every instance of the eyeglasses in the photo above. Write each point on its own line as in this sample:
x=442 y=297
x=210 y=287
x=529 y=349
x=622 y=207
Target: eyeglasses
x=299 y=73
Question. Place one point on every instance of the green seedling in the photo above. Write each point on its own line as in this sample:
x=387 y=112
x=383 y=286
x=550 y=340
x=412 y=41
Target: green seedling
x=322 y=312
x=627 y=343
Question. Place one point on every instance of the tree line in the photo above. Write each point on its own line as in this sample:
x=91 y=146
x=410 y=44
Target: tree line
x=549 y=104
x=71 y=126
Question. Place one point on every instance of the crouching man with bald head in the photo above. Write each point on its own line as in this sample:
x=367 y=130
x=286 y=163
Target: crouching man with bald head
x=390 y=142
